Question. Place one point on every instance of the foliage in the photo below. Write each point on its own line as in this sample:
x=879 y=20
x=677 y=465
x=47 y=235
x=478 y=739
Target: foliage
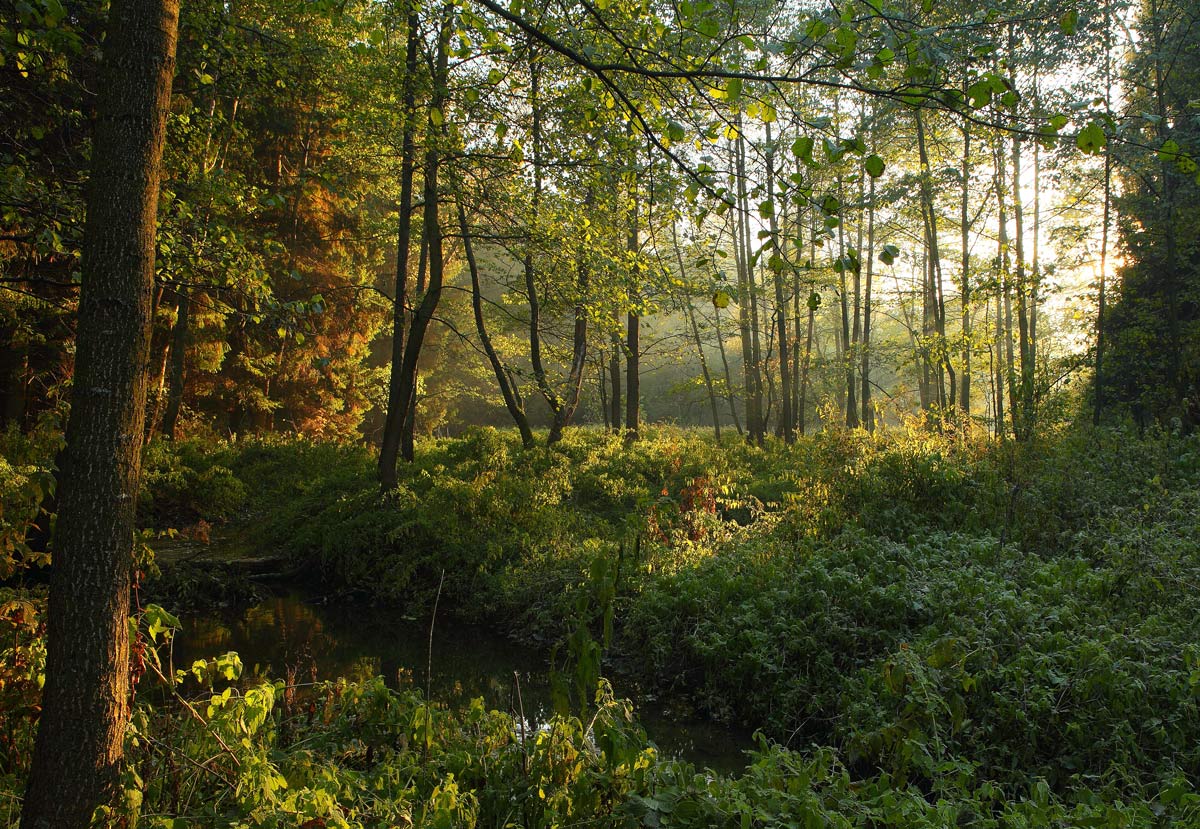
x=936 y=632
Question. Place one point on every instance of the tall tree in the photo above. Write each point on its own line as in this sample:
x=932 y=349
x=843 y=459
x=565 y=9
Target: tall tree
x=85 y=703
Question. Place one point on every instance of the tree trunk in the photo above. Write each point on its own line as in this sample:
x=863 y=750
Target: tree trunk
x=691 y=315
x=85 y=703
x=397 y=406
x=729 y=398
x=868 y=413
x=751 y=384
x=964 y=395
x=614 y=376
x=847 y=347
x=813 y=301
x=936 y=298
x=511 y=401
x=179 y=339
x=777 y=268
x=1023 y=416
x=433 y=239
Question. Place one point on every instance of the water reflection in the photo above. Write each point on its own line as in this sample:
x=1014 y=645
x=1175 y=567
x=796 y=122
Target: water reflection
x=290 y=637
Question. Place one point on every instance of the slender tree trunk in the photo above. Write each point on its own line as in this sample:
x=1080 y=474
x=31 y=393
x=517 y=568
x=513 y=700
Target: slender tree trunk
x=397 y=406
x=511 y=401
x=729 y=397
x=433 y=238
x=777 y=267
x=964 y=395
x=1098 y=411
x=847 y=353
x=746 y=309
x=808 y=346
x=1023 y=417
x=691 y=315
x=1004 y=314
x=633 y=346
x=614 y=373
x=560 y=410
x=601 y=386
x=85 y=703
x=178 y=353
x=868 y=413
x=936 y=300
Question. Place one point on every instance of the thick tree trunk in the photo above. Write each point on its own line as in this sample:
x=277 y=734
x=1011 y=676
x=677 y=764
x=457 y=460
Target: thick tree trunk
x=85 y=704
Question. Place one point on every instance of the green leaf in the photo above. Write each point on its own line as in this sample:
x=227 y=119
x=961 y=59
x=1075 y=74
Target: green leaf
x=1069 y=22
x=733 y=90
x=675 y=131
x=980 y=93
x=888 y=255
x=720 y=299
x=802 y=148
x=874 y=166
x=1168 y=151
x=435 y=116
x=1091 y=139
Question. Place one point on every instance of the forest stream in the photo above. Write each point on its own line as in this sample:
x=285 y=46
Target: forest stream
x=292 y=631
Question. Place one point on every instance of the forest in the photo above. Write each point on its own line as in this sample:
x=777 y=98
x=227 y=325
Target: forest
x=608 y=413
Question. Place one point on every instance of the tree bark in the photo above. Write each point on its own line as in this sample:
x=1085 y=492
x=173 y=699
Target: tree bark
x=85 y=703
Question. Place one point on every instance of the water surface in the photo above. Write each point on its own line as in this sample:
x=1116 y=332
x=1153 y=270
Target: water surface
x=292 y=636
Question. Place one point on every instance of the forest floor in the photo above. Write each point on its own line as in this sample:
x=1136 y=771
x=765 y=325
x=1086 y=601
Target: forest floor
x=929 y=630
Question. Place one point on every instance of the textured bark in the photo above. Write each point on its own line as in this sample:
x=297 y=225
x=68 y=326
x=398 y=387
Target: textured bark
x=85 y=703
x=397 y=407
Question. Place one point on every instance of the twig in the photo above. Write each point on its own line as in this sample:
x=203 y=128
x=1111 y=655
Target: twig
x=195 y=714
